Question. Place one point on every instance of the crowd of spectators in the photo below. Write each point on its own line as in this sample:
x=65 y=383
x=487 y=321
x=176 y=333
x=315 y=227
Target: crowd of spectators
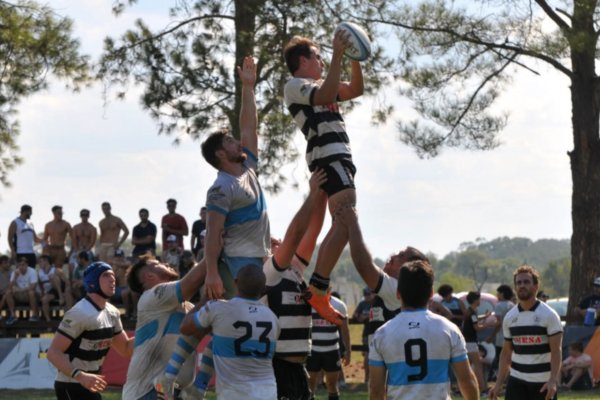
x=53 y=280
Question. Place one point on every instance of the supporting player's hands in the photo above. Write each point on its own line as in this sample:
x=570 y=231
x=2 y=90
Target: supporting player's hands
x=550 y=388
x=247 y=72
x=346 y=215
x=494 y=391
x=92 y=382
x=213 y=286
x=317 y=179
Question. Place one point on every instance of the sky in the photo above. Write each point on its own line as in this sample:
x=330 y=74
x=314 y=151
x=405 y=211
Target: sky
x=79 y=152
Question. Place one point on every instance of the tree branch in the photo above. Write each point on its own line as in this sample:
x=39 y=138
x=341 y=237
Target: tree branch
x=171 y=30
x=465 y=38
x=553 y=15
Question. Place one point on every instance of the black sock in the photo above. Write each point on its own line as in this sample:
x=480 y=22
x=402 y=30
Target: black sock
x=319 y=282
x=334 y=396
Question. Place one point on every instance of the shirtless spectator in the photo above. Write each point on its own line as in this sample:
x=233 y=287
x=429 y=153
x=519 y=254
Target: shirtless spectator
x=83 y=237
x=21 y=289
x=84 y=258
x=110 y=229
x=173 y=224
x=4 y=280
x=51 y=286
x=22 y=236
x=144 y=235
x=55 y=235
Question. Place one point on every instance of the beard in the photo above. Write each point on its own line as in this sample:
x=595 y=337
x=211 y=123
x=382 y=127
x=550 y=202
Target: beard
x=525 y=295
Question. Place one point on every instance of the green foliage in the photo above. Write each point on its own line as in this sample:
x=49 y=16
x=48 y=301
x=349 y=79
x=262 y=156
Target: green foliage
x=187 y=70
x=458 y=282
x=35 y=43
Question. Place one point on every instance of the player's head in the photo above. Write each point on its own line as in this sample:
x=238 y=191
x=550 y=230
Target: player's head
x=576 y=348
x=393 y=264
x=251 y=282
x=415 y=284
x=220 y=147
x=473 y=298
x=445 y=290
x=148 y=272
x=526 y=280
x=301 y=53
x=505 y=292
x=99 y=278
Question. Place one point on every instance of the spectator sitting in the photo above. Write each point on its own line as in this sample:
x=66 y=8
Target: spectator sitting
x=51 y=287
x=120 y=265
x=21 y=289
x=186 y=262
x=172 y=253
x=576 y=370
x=592 y=301
x=5 y=272
x=84 y=259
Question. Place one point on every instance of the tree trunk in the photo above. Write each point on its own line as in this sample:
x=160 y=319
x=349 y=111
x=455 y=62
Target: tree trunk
x=585 y=161
x=245 y=27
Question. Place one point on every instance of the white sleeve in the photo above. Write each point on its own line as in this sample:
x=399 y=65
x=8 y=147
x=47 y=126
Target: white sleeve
x=300 y=91
x=387 y=292
x=272 y=274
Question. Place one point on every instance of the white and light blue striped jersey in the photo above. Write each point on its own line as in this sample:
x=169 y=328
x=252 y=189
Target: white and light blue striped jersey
x=160 y=312
x=244 y=338
x=529 y=331
x=240 y=199
x=417 y=348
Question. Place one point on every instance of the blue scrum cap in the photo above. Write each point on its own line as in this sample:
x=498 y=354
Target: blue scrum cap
x=91 y=277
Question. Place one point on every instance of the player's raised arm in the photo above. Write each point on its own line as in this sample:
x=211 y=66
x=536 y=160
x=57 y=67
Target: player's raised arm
x=248 y=116
x=327 y=93
x=354 y=88
x=300 y=222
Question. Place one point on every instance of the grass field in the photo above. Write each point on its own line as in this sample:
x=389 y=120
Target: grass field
x=352 y=392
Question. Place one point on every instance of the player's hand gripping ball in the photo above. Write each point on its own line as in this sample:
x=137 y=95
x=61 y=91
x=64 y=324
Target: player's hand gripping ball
x=360 y=45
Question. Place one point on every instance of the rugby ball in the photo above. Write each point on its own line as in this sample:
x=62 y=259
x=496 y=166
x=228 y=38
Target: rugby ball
x=360 y=45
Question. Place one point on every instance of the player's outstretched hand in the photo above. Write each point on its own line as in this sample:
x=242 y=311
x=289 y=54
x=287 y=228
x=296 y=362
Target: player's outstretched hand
x=247 y=72
x=213 y=286
x=317 y=179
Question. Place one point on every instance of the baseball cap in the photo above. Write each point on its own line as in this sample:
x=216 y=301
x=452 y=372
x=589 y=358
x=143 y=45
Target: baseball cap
x=597 y=281
x=119 y=253
x=171 y=238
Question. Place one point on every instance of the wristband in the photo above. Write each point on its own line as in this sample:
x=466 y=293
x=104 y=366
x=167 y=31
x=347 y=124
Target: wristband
x=75 y=372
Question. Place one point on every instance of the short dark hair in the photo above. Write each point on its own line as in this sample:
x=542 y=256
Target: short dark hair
x=47 y=258
x=105 y=203
x=527 y=269
x=297 y=47
x=251 y=281
x=84 y=255
x=143 y=210
x=171 y=201
x=578 y=346
x=4 y=258
x=212 y=144
x=25 y=207
x=445 y=289
x=56 y=208
x=84 y=210
x=415 y=283
x=506 y=290
x=133 y=273
x=472 y=297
